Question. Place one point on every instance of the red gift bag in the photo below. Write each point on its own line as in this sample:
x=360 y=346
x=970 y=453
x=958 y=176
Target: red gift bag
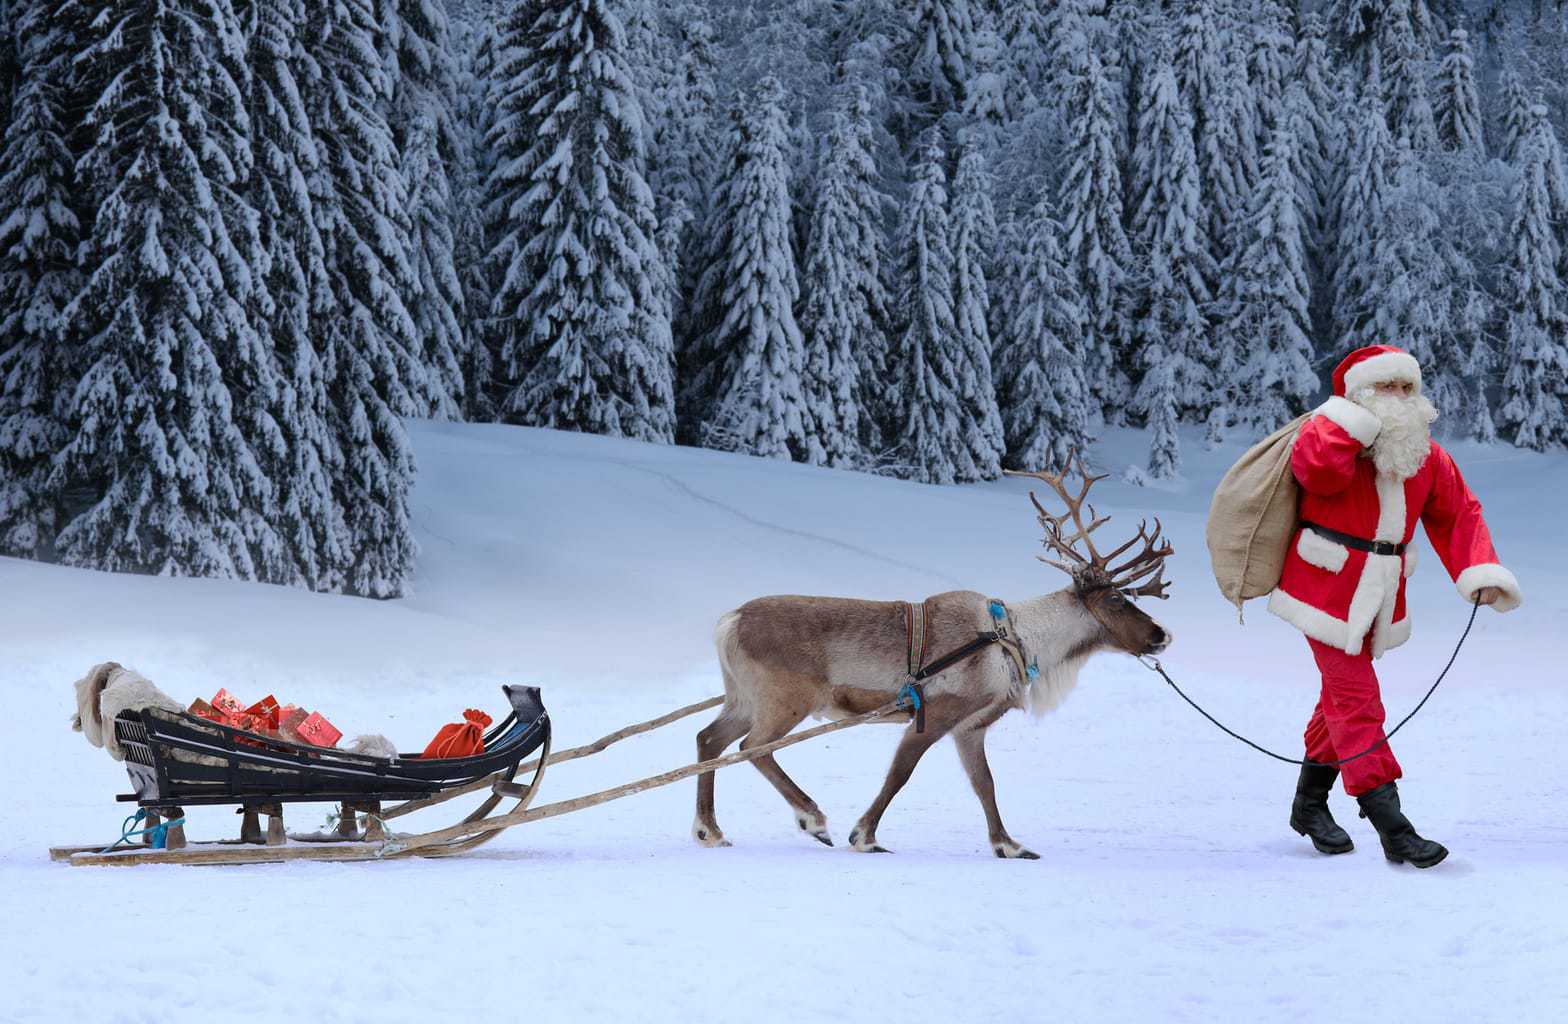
x=460 y=739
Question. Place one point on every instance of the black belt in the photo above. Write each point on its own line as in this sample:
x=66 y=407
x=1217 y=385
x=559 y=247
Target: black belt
x=1371 y=547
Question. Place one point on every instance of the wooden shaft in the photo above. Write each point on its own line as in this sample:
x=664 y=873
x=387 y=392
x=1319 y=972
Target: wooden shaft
x=571 y=754
x=412 y=843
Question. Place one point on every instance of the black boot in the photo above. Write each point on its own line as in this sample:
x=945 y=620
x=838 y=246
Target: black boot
x=1309 y=812
x=1400 y=841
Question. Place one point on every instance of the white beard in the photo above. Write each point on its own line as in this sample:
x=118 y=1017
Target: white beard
x=1405 y=440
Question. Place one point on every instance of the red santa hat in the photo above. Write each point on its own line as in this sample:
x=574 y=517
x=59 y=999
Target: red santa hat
x=1374 y=365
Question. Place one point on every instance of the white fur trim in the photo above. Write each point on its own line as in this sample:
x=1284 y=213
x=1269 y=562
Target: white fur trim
x=1390 y=509
x=1316 y=623
x=1490 y=574
x=1318 y=550
x=1400 y=366
x=1398 y=633
x=1373 y=603
x=1410 y=562
x=1361 y=424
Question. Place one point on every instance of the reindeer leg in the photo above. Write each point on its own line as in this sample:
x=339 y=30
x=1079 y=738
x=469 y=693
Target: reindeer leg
x=808 y=816
x=970 y=740
x=730 y=726
x=910 y=749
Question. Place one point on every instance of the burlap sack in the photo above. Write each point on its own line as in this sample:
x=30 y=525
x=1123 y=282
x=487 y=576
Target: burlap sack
x=1253 y=516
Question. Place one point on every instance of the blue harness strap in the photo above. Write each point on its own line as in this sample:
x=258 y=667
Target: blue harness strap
x=129 y=831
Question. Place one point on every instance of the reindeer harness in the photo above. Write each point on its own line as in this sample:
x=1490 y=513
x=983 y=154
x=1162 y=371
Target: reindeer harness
x=913 y=693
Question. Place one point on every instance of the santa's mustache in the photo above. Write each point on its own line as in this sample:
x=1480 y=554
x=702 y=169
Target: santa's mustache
x=1405 y=440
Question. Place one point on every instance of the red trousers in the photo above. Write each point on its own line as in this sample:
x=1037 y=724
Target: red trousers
x=1349 y=719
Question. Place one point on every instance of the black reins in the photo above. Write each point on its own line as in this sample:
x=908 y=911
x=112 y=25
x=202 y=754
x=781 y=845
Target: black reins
x=1153 y=664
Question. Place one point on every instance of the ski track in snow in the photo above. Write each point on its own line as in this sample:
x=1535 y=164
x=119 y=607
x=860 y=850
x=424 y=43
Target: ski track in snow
x=1170 y=886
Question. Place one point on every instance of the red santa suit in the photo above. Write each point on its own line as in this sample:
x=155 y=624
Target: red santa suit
x=1351 y=603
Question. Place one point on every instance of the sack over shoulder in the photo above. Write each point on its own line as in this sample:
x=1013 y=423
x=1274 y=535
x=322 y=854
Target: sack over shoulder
x=1253 y=516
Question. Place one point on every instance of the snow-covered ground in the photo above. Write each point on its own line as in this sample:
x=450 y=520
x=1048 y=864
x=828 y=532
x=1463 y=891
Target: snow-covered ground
x=1169 y=888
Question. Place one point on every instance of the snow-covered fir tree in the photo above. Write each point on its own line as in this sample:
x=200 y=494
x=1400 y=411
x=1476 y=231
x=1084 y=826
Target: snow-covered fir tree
x=474 y=162
x=425 y=134
x=686 y=165
x=1405 y=61
x=1425 y=292
x=940 y=55
x=287 y=155
x=162 y=324
x=1459 y=125
x=588 y=328
x=1535 y=385
x=845 y=315
x=1516 y=103
x=1044 y=398
x=974 y=242
x=363 y=329
x=1096 y=245
x=743 y=383
x=1172 y=335
x=927 y=387
x=39 y=232
x=1360 y=215
x=1269 y=66
x=1266 y=299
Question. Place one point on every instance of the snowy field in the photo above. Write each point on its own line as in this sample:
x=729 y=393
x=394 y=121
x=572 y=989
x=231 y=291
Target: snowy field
x=1170 y=887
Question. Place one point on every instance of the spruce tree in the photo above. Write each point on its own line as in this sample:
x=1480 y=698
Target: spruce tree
x=1044 y=399
x=39 y=233
x=1405 y=60
x=589 y=330
x=1458 y=102
x=845 y=316
x=363 y=331
x=1266 y=296
x=1172 y=334
x=425 y=135
x=287 y=156
x=171 y=364
x=744 y=386
x=927 y=389
x=474 y=162
x=1535 y=385
x=1516 y=116
x=974 y=242
x=1360 y=214
x=939 y=56
x=1096 y=245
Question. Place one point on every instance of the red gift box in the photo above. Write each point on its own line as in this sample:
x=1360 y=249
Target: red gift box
x=227 y=704
x=264 y=713
x=319 y=732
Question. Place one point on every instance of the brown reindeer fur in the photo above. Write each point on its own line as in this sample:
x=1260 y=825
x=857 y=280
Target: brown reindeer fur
x=788 y=657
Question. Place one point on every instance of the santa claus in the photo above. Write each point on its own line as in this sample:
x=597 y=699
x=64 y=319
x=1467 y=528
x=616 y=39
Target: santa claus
x=1368 y=470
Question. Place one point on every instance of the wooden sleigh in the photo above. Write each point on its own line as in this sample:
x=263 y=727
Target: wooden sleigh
x=179 y=760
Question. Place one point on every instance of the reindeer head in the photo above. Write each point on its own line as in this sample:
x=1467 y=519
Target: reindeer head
x=1106 y=590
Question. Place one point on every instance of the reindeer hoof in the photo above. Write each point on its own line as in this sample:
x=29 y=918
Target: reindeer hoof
x=816 y=828
x=1012 y=851
x=860 y=845
x=712 y=838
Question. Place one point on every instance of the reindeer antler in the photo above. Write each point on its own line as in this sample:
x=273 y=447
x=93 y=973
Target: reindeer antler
x=1089 y=566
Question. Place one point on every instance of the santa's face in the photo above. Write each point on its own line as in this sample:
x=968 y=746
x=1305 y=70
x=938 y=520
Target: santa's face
x=1406 y=437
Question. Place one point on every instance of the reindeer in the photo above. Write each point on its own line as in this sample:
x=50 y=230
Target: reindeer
x=787 y=657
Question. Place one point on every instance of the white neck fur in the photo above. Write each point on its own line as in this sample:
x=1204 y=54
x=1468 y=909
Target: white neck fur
x=1050 y=628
